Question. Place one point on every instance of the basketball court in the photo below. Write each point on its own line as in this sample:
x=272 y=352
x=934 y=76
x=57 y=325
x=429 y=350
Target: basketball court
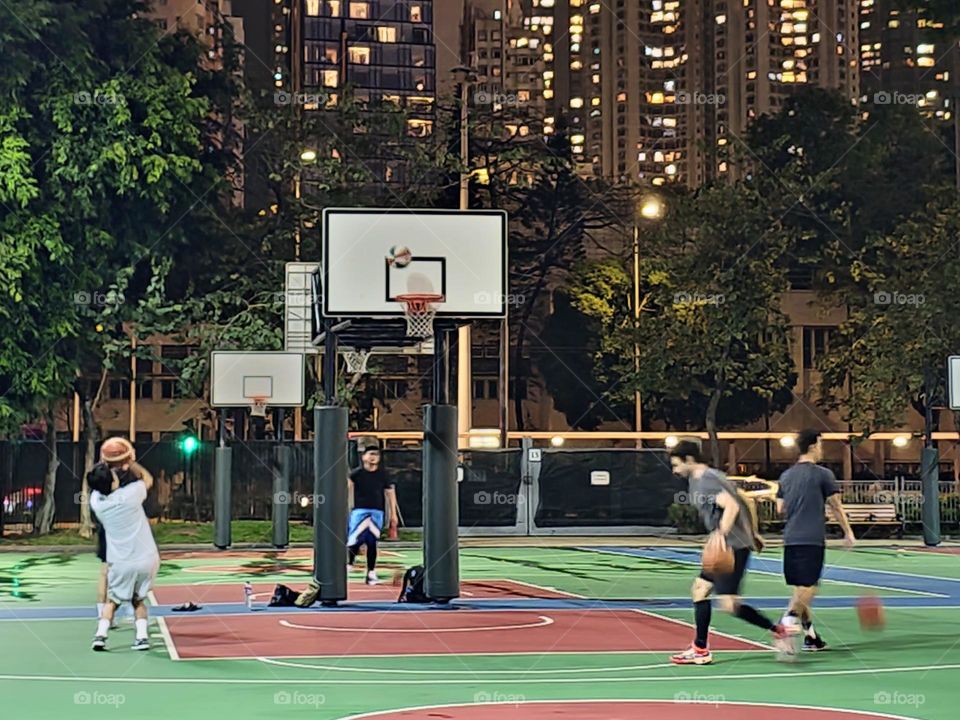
x=538 y=632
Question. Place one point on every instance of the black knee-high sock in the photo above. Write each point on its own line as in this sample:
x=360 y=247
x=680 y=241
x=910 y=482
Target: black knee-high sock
x=371 y=556
x=353 y=551
x=752 y=616
x=701 y=615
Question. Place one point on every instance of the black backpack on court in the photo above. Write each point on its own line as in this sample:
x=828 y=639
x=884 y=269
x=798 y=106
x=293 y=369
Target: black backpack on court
x=412 y=589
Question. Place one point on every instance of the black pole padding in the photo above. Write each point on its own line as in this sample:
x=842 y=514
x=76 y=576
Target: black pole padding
x=330 y=474
x=441 y=510
x=930 y=476
x=222 y=465
x=330 y=345
x=441 y=357
x=281 y=496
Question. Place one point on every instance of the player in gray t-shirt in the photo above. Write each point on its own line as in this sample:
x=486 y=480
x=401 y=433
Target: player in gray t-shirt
x=802 y=496
x=726 y=515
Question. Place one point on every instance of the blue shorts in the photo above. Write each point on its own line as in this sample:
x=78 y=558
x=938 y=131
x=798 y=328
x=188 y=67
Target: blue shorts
x=364 y=526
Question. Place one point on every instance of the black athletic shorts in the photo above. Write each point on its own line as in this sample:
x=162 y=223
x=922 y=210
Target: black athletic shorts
x=101 y=543
x=803 y=564
x=730 y=584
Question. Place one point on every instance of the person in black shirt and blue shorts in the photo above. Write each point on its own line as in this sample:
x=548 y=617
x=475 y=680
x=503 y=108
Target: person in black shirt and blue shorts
x=805 y=490
x=373 y=492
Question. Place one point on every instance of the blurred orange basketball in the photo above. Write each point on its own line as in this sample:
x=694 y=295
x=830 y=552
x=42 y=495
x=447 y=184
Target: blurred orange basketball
x=116 y=451
x=870 y=613
x=716 y=560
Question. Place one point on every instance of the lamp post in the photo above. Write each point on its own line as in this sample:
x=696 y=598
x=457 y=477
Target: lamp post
x=467 y=77
x=650 y=209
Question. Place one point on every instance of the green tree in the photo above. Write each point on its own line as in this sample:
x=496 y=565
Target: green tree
x=890 y=353
x=555 y=215
x=711 y=334
x=102 y=152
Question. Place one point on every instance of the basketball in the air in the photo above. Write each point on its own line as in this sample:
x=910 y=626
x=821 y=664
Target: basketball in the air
x=116 y=451
x=870 y=613
x=716 y=560
x=400 y=255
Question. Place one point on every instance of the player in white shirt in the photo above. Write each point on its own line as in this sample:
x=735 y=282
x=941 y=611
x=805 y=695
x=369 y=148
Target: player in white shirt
x=132 y=556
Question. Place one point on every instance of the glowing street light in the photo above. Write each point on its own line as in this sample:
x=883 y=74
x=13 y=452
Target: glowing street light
x=308 y=155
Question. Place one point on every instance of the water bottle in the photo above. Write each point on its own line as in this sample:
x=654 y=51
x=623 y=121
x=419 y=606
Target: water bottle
x=248 y=595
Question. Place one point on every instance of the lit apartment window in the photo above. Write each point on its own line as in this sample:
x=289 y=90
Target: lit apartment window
x=546 y=3
x=329 y=78
x=416 y=14
x=313 y=8
x=595 y=8
x=360 y=10
x=359 y=55
x=334 y=6
x=419 y=128
x=387 y=34
x=576 y=102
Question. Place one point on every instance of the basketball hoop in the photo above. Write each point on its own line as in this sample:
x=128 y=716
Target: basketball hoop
x=258 y=408
x=356 y=361
x=420 y=309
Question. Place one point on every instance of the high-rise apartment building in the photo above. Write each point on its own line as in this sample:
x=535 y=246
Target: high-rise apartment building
x=905 y=58
x=649 y=90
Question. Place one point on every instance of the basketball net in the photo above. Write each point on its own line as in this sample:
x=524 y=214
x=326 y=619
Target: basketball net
x=259 y=407
x=356 y=361
x=420 y=310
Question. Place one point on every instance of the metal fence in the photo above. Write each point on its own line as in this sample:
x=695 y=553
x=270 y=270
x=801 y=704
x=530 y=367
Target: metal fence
x=513 y=491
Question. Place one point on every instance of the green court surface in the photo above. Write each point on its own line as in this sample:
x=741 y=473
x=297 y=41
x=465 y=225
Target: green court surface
x=229 y=662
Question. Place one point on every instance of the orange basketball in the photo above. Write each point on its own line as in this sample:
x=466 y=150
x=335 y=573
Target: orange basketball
x=716 y=561
x=116 y=451
x=870 y=612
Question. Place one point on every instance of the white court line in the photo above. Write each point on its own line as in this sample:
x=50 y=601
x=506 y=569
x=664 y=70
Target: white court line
x=735 y=703
x=543 y=621
x=778 y=574
x=684 y=677
x=164 y=631
x=556 y=671
x=537 y=653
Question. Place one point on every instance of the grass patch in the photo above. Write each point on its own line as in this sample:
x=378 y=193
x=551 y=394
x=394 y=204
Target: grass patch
x=186 y=533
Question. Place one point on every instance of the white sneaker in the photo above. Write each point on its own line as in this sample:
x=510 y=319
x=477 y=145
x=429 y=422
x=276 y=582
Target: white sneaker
x=372 y=578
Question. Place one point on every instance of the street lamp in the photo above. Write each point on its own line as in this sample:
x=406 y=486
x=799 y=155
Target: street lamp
x=308 y=155
x=466 y=77
x=650 y=208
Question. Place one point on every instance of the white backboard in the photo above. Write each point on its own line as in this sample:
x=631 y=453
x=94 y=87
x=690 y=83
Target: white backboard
x=461 y=255
x=298 y=307
x=237 y=377
x=953 y=381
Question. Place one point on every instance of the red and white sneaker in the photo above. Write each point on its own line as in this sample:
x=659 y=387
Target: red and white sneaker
x=693 y=656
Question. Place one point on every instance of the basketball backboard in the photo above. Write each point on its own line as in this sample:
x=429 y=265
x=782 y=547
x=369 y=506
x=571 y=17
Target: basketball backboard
x=953 y=381
x=461 y=255
x=298 y=303
x=238 y=377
